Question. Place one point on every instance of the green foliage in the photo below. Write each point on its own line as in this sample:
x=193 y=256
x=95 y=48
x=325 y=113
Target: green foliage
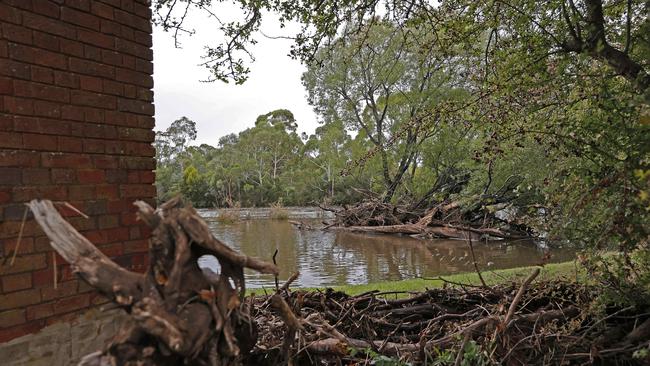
x=544 y=101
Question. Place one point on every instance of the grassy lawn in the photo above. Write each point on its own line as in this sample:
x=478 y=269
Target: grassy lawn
x=565 y=270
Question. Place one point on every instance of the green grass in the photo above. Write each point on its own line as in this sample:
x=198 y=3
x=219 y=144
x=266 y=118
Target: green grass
x=565 y=270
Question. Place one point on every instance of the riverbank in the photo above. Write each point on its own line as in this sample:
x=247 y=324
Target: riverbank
x=569 y=271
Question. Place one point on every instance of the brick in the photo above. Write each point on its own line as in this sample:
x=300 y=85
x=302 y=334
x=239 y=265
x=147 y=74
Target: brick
x=93 y=53
x=10 y=176
x=18 y=158
x=119 y=206
x=70 y=144
x=79 y=4
x=105 y=162
x=87 y=67
x=43 y=277
x=9 y=14
x=19 y=299
x=112 y=58
x=131 y=20
x=138 y=163
x=147 y=177
x=101 y=10
x=112 y=250
x=113 y=88
x=11 y=140
x=72 y=48
x=109 y=27
x=26 y=193
x=16 y=212
x=6 y=86
x=47 y=109
x=135 y=134
x=116 y=176
x=65 y=160
x=41 y=125
x=40 y=311
x=15 y=69
x=143 y=38
x=12 y=317
x=16 y=33
x=40 y=142
x=118 y=234
x=90 y=83
x=129 y=219
x=26 y=243
x=81 y=192
x=79 y=18
x=93 y=99
x=75 y=113
x=38 y=56
x=136 y=246
x=94 y=146
x=47 y=8
x=137 y=190
x=95 y=115
x=94 y=208
x=52 y=26
x=134 y=77
x=36 y=176
x=107 y=221
x=100 y=131
x=42 y=75
x=15 y=105
x=66 y=79
x=97 y=39
x=10 y=229
x=46 y=41
x=91 y=176
x=63 y=176
x=63 y=289
x=41 y=91
x=16 y=282
x=5 y=196
x=107 y=191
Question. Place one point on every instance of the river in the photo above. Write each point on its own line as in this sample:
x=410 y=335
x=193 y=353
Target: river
x=329 y=258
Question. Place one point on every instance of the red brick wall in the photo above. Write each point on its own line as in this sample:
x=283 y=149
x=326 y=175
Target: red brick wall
x=76 y=119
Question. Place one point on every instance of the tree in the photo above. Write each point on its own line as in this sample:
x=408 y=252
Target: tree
x=378 y=82
x=171 y=146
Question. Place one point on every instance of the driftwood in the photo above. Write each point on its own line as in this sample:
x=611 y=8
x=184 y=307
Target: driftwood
x=444 y=220
x=181 y=314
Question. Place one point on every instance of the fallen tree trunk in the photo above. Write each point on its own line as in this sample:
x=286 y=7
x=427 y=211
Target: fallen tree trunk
x=181 y=314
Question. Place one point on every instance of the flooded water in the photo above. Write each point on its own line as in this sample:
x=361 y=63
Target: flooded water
x=336 y=258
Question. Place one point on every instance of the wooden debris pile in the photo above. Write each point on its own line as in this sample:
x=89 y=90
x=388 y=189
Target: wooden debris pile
x=546 y=323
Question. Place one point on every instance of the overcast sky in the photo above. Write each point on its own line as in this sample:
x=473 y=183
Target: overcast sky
x=217 y=108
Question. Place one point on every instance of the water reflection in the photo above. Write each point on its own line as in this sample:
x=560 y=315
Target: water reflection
x=335 y=258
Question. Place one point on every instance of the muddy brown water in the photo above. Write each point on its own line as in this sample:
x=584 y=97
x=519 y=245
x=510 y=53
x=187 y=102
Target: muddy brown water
x=327 y=258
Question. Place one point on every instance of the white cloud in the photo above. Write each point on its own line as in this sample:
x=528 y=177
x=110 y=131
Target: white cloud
x=217 y=108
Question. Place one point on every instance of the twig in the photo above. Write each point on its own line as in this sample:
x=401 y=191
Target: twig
x=288 y=283
x=54 y=269
x=478 y=272
x=68 y=205
x=20 y=236
x=520 y=293
x=277 y=284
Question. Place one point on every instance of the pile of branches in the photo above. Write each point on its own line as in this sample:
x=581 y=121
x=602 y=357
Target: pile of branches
x=539 y=324
x=474 y=218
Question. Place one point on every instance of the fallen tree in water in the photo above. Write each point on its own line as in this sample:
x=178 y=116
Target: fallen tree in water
x=474 y=218
x=182 y=314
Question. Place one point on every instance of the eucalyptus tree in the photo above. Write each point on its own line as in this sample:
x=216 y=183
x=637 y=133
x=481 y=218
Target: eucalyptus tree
x=378 y=82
